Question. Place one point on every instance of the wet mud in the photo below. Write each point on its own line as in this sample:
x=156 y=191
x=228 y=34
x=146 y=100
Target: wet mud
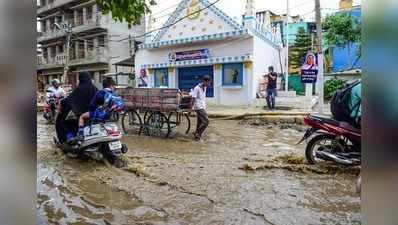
x=240 y=174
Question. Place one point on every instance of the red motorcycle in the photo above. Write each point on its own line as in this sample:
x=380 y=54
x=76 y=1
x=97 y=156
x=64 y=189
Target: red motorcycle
x=332 y=140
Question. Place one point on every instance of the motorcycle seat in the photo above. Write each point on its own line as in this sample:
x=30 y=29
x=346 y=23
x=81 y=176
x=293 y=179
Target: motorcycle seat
x=348 y=126
x=325 y=119
x=334 y=122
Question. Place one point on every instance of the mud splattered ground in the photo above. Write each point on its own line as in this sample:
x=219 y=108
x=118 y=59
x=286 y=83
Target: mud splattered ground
x=240 y=174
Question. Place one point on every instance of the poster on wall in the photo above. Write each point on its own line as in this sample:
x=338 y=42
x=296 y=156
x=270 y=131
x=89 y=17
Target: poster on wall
x=189 y=55
x=309 y=70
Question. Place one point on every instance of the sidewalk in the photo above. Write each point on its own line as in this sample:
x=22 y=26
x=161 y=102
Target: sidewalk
x=285 y=107
x=288 y=110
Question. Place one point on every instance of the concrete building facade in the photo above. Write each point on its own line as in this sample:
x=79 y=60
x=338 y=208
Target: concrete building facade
x=95 y=45
x=210 y=43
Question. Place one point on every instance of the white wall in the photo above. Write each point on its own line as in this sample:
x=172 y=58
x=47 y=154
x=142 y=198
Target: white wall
x=264 y=56
x=217 y=49
x=223 y=95
x=206 y=23
x=119 y=51
x=228 y=95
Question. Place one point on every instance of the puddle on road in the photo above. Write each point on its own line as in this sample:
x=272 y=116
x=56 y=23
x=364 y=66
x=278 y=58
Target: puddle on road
x=179 y=181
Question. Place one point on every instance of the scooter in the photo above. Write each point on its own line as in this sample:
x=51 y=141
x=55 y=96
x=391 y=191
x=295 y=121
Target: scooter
x=102 y=140
x=332 y=141
x=51 y=106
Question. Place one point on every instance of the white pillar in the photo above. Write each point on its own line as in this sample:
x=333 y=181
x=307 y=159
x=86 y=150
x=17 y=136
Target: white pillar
x=75 y=17
x=85 y=48
x=57 y=49
x=97 y=81
x=48 y=54
x=48 y=25
x=308 y=90
x=95 y=10
x=95 y=40
x=287 y=48
x=250 y=14
x=77 y=49
x=95 y=16
x=84 y=15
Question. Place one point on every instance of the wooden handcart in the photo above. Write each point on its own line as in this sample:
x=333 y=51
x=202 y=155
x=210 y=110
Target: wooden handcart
x=155 y=111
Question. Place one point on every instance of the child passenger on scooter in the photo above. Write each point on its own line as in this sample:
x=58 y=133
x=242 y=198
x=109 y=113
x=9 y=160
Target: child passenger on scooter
x=104 y=102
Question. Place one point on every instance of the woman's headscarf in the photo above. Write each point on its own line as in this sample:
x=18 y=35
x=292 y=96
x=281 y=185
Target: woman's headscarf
x=79 y=100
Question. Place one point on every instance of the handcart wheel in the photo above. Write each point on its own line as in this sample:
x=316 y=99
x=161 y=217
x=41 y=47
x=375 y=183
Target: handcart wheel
x=180 y=122
x=158 y=125
x=131 y=122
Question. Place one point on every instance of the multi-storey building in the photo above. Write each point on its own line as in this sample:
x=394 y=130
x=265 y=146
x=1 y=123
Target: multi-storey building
x=95 y=40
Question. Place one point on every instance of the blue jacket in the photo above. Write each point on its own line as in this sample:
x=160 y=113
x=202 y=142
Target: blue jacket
x=102 y=102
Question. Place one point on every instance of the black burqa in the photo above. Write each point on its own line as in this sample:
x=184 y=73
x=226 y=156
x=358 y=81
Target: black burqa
x=78 y=102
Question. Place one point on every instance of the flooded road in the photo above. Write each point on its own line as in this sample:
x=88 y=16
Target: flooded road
x=240 y=174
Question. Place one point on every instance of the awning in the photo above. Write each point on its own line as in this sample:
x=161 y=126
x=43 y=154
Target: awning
x=214 y=60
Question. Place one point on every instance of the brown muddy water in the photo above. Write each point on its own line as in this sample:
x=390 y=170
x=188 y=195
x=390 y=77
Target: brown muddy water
x=240 y=174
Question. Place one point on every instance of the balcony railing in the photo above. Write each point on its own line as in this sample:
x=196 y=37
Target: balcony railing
x=54 y=4
x=51 y=34
x=90 y=23
x=97 y=55
x=57 y=61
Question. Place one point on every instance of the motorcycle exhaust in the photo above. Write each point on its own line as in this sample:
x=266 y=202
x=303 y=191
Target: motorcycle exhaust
x=331 y=157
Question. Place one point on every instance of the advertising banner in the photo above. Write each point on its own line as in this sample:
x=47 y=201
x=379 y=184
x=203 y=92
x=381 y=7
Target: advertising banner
x=309 y=70
x=189 y=55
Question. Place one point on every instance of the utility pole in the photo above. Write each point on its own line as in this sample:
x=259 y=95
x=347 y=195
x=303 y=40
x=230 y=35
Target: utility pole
x=130 y=46
x=66 y=66
x=287 y=47
x=68 y=29
x=318 y=18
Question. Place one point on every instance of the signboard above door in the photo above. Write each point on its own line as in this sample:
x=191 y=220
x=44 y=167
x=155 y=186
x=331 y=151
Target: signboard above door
x=189 y=55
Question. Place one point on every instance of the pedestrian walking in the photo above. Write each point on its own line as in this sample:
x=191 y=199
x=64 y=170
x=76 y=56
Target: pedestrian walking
x=271 y=88
x=199 y=106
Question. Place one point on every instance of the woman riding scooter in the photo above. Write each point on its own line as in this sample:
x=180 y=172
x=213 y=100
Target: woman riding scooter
x=78 y=102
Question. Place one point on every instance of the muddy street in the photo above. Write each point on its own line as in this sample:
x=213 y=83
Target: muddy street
x=240 y=174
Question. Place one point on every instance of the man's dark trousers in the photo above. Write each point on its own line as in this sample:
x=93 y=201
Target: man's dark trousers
x=203 y=122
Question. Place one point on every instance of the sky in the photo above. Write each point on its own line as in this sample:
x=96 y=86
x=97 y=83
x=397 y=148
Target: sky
x=236 y=8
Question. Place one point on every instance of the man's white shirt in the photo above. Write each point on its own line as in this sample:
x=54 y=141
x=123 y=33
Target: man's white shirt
x=200 y=97
x=57 y=92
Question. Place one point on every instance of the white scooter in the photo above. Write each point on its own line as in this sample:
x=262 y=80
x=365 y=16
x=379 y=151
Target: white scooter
x=102 y=140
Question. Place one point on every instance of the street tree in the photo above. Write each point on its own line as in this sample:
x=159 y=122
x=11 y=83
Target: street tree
x=300 y=47
x=342 y=30
x=130 y=11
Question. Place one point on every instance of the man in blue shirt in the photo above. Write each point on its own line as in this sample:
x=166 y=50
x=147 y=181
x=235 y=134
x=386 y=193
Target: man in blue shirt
x=271 y=88
x=102 y=104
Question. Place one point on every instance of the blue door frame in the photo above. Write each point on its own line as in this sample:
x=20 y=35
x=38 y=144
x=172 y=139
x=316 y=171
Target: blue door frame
x=189 y=77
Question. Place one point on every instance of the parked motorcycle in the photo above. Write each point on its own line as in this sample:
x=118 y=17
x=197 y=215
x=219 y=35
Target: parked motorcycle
x=102 y=140
x=51 y=106
x=332 y=140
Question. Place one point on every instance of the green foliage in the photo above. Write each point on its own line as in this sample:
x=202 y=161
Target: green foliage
x=342 y=29
x=300 y=48
x=333 y=85
x=130 y=11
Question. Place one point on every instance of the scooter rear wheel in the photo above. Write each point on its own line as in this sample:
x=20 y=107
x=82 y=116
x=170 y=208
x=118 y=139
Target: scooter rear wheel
x=327 y=142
